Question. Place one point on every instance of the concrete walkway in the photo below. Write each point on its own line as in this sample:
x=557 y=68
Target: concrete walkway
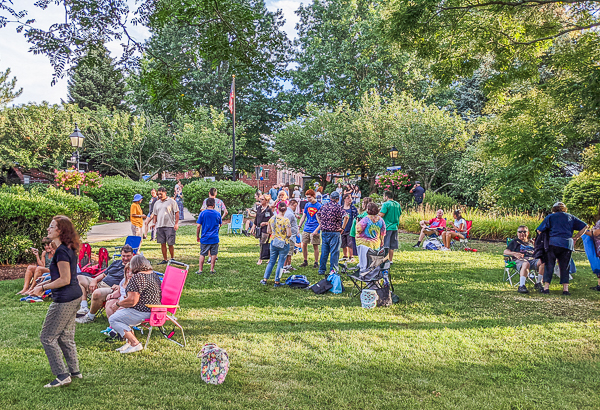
x=109 y=231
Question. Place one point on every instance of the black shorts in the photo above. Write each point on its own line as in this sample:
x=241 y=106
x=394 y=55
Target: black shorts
x=347 y=240
x=391 y=240
x=165 y=235
x=213 y=248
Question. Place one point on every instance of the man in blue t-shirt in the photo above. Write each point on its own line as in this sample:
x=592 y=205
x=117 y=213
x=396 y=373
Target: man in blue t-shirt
x=209 y=221
x=310 y=234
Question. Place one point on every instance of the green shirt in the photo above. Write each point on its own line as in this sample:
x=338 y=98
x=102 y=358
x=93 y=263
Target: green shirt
x=391 y=211
x=358 y=218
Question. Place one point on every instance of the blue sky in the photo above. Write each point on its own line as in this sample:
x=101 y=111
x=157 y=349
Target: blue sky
x=34 y=72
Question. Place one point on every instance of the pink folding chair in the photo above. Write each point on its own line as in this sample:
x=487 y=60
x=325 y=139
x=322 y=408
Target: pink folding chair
x=172 y=287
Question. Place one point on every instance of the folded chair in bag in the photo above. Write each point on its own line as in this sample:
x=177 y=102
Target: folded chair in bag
x=171 y=289
x=134 y=241
x=374 y=275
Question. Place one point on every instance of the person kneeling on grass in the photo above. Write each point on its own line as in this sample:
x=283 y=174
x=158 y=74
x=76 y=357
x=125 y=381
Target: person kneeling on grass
x=522 y=250
x=280 y=228
x=101 y=286
x=144 y=288
x=209 y=221
x=433 y=226
x=43 y=264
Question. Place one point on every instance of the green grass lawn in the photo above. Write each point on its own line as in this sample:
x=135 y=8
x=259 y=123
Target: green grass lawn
x=459 y=339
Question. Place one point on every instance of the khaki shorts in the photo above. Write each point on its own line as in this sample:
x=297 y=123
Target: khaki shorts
x=103 y=284
x=307 y=237
x=292 y=245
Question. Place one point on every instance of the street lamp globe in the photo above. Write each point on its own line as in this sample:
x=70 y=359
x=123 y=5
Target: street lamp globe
x=393 y=152
x=76 y=138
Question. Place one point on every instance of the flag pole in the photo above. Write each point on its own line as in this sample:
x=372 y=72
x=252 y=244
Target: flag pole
x=233 y=158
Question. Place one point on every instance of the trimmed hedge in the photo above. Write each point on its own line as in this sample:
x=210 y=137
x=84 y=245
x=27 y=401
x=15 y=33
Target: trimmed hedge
x=581 y=196
x=115 y=196
x=237 y=196
x=25 y=216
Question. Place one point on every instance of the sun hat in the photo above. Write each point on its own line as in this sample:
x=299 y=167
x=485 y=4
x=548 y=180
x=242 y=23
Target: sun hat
x=137 y=197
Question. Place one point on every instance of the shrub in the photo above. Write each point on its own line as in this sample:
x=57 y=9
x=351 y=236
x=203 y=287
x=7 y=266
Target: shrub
x=169 y=184
x=581 y=196
x=115 y=195
x=236 y=195
x=491 y=226
x=440 y=201
x=25 y=216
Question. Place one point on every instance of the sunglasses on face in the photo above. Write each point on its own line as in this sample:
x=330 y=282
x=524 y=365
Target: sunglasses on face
x=521 y=231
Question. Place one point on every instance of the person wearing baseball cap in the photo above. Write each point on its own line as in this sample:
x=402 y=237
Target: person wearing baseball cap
x=332 y=220
x=418 y=192
x=136 y=216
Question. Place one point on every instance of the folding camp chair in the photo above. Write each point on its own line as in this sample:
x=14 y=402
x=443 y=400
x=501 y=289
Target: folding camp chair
x=134 y=241
x=510 y=269
x=461 y=244
x=374 y=276
x=171 y=289
x=235 y=226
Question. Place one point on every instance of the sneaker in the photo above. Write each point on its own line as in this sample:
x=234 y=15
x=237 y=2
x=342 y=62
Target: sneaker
x=245 y=232
x=263 y=282
x=277 y=284
x=133 y=349
x=316 y=265
x=124 y=347
x=106 y=331
x=58 y=383
x=321 y=273
x=545 y=291
x=83 y=311
x=284 y=271
x=212 y=272
x=34 y=299
x=538 y=286
x=566 y=293
x=304 y=264
x=198 y=272
x=597 y=288
x=291 y=268
x=164 y=262
x=76 y=375
x=522 y=289
x=84 y=319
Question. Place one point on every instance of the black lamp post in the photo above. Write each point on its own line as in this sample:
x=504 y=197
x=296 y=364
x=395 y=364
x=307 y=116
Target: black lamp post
x=393 y=155
x=77 y=142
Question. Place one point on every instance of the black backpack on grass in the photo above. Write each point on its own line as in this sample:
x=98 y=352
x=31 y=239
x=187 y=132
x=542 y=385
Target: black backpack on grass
x=321 y=286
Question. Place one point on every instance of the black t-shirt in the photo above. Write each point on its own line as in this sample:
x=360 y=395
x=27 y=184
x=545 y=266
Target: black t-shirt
x=418 y=194
x=263 y=215
x=526 y=248
x=69 y=292
x=148 y=286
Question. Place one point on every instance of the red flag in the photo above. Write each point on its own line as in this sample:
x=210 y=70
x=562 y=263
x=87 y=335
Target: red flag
x=232 y=96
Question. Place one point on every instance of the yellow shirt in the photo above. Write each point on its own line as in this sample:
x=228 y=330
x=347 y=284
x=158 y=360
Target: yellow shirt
x=136 y=209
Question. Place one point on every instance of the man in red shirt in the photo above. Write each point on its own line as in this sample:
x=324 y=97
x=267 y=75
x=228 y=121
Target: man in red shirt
x=435 y=225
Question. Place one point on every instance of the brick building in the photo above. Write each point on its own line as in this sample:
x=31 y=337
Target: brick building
x=265 y=176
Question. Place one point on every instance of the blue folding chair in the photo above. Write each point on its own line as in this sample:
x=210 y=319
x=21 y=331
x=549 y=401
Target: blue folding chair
x=237 y=220
x=134 y=241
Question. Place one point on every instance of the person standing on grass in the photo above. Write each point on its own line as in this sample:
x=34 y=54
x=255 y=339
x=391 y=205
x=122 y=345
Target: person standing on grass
x=279 y=227
x=390 y=212
x=178 y=197
x=418 y=193
x=561 y=226
x=261 y=221
x=149 y=217
x=219 y=205
x=347 y=240
x=310 y=233
x=58 y=330
x=136 y=216
x=209 y=221
x=289 y=214
x=274 y=191
x=331 y=217
x=166 y=218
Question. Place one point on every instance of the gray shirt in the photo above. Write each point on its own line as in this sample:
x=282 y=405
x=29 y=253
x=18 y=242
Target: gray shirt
x=289 y=214
x=165 y=212
x=114 y=273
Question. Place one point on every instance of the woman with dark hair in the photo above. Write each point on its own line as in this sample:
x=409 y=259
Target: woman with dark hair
x=370 y=231
x=144 y=288
x=263 y=215
x=58 y=330
x=280 y=228
x=457 y=231
x=356 y=194
x=561 y=226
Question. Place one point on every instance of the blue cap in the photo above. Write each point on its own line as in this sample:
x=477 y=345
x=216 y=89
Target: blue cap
x=137 y=197
x=335 y=195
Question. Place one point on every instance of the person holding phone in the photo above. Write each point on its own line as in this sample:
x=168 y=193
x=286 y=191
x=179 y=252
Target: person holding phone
x=43 y=264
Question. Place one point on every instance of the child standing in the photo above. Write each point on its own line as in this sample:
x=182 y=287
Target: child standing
x=209 y=221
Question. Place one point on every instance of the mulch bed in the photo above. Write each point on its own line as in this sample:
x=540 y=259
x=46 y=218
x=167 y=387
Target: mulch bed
x=8 y=272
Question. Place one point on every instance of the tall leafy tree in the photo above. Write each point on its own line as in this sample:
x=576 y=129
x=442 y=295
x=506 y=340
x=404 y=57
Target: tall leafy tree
x=96 y=81
x=7 y=88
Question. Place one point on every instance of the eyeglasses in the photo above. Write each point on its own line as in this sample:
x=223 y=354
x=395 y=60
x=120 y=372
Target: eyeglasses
x=522 y=231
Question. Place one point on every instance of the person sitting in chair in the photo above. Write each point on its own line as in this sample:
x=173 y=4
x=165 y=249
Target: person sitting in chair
x=457 y=231
x=101 y=286
x=522 y=250
x=433 y=226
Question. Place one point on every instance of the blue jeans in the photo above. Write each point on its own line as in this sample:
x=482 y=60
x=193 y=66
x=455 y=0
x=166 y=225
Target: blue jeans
x=330 y=244
x=276 y=253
